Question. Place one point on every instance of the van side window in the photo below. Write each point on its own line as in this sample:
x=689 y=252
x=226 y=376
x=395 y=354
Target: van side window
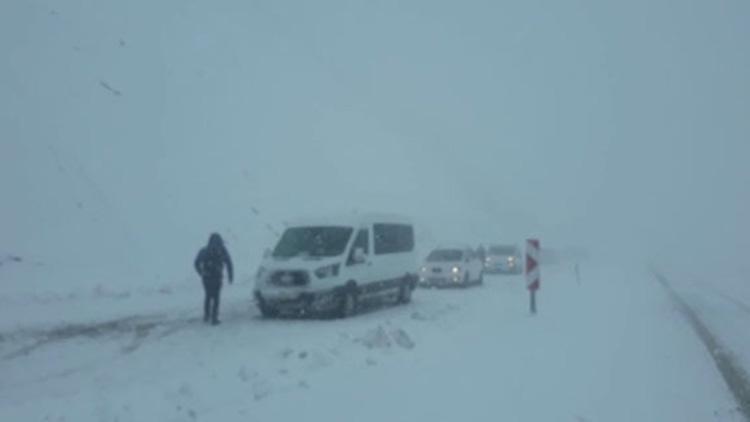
x=393 y=238
x=362 y=241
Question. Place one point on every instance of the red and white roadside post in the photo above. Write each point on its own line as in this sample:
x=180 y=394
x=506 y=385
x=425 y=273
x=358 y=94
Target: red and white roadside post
x=533 y=277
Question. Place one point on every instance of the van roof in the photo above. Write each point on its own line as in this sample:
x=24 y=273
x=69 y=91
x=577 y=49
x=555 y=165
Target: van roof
x=353 y=220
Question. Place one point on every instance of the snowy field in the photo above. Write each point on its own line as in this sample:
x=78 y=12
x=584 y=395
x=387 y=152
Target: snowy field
x=612 y=348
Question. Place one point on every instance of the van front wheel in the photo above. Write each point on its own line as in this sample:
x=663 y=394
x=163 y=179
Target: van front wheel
x=348 y=304
x=267 y=311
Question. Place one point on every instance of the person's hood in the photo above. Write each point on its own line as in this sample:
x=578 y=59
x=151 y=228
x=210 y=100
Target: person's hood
x=215 y=241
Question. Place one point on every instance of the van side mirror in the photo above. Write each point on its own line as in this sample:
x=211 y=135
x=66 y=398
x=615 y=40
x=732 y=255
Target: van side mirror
x=266 y=253
x=359 y=256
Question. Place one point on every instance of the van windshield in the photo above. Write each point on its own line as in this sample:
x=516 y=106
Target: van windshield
x=445 y=255
x=314 y=242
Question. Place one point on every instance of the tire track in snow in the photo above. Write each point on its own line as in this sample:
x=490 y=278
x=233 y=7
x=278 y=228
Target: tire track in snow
x=140 y=328
x=734 y=375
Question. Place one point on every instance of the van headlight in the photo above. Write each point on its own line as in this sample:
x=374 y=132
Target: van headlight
x=328 y=271
x=424 y=269
x=456 y=270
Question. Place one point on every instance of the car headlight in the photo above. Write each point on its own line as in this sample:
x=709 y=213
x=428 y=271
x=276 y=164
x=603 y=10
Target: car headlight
x=511 y=259
x=327 y=271
x=424 y=269
x=455 y=270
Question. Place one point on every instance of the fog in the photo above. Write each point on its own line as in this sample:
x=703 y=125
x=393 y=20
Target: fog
x=126 y=138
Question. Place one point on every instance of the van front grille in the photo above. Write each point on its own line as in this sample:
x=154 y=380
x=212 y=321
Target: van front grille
x=290 y=278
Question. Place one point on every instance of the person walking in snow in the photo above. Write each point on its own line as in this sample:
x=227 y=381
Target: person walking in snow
x=210 y=264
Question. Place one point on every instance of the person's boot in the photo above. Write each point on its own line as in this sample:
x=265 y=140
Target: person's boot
x=206 y=310
x=215 y=312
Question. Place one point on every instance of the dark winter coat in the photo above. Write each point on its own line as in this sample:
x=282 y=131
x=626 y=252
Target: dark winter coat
x=212 y=259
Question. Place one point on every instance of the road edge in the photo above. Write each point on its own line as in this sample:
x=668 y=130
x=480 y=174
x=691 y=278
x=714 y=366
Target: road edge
x=734 y=375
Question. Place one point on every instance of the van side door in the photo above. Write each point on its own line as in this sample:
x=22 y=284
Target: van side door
x=359 y=271
x=393 y=247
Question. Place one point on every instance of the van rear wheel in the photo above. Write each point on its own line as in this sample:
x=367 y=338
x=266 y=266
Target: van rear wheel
x=405 y=291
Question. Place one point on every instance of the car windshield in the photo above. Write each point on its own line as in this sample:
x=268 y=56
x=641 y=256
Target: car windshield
x=313 y=242
x=503 y=250
x=445 y=255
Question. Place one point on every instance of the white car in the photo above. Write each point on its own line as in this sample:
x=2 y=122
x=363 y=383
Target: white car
x=332 y=265
x=445 y=267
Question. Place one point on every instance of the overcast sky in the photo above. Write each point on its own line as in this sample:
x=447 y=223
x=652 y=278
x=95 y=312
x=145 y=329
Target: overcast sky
x=587 y=122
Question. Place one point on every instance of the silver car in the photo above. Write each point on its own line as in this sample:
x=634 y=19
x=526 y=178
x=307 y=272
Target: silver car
x=503 y=259
x=451 y=267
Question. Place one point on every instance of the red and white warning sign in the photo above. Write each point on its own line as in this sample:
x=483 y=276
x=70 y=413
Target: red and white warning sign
x=533 y=276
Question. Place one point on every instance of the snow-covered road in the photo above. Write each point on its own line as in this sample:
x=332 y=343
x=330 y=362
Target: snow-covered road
x=610 y=349
x=724 y=306
x=717 y=305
